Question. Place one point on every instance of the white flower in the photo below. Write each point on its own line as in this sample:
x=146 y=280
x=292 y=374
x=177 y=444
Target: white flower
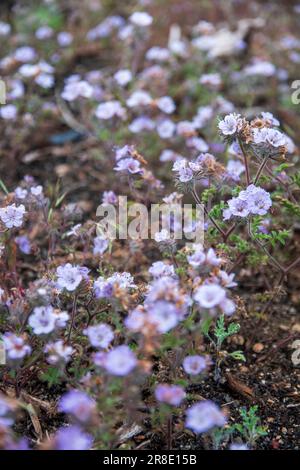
x=110 y=109
x=77 y=88
x=64 y=38
x=140 y=18
x=210 y=295
x=4 y=29
x=58 y=352
x=12 y=216
x=8 y=112
x=166 y=104
x=123 y=77
x=44 y=32
x=68 y=277
x=166 y=129
x=42 y=321
x=162 y=236
x=139 y=98
x=230 y=124
x=276 y=138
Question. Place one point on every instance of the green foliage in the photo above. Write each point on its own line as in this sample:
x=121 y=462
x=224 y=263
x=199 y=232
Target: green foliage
x=221 y=332
x=217 y=210
x=274 y=237
x=240 y=243
x=207 y=194
x=52 y=376
x=296 y=178
x=250 y=427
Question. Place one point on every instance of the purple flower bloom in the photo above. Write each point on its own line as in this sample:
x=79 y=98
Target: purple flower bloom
x=236 y=446
x=110 y=109
x=230 y=124
x=42 y=321
x=204 y=416
x=120 y=361
x=100 y=245
x=12 y=216
x=197 y=259
x=234 y=169
x=100 y=336
x=239 y=207
x=139 y=98
x=103 y=288
x=68 y=277
x=209 y=295
x=259 y=201
x=109 y=197
x=75 y=89
x=194 y=365
x=141 y=19
x=166 y=129
x=72 y=438
x=15 y=346
x=5 y=413
x=185 y=175
x=161 y=269
x=64 y=38
x=170 y=394
x=45 y=319
x=129 y=164
x=78 y=404
x=23 y=244
x=58 y=352
x=164 y=315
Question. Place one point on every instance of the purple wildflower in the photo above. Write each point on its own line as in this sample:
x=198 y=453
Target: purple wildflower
x=78 y=404
x=120 y=361
x=15 y=346
x=170 y=394
x=194 y=365
x=72 y=438
x=12 y=216
x=204 y=416
x=100 y=336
